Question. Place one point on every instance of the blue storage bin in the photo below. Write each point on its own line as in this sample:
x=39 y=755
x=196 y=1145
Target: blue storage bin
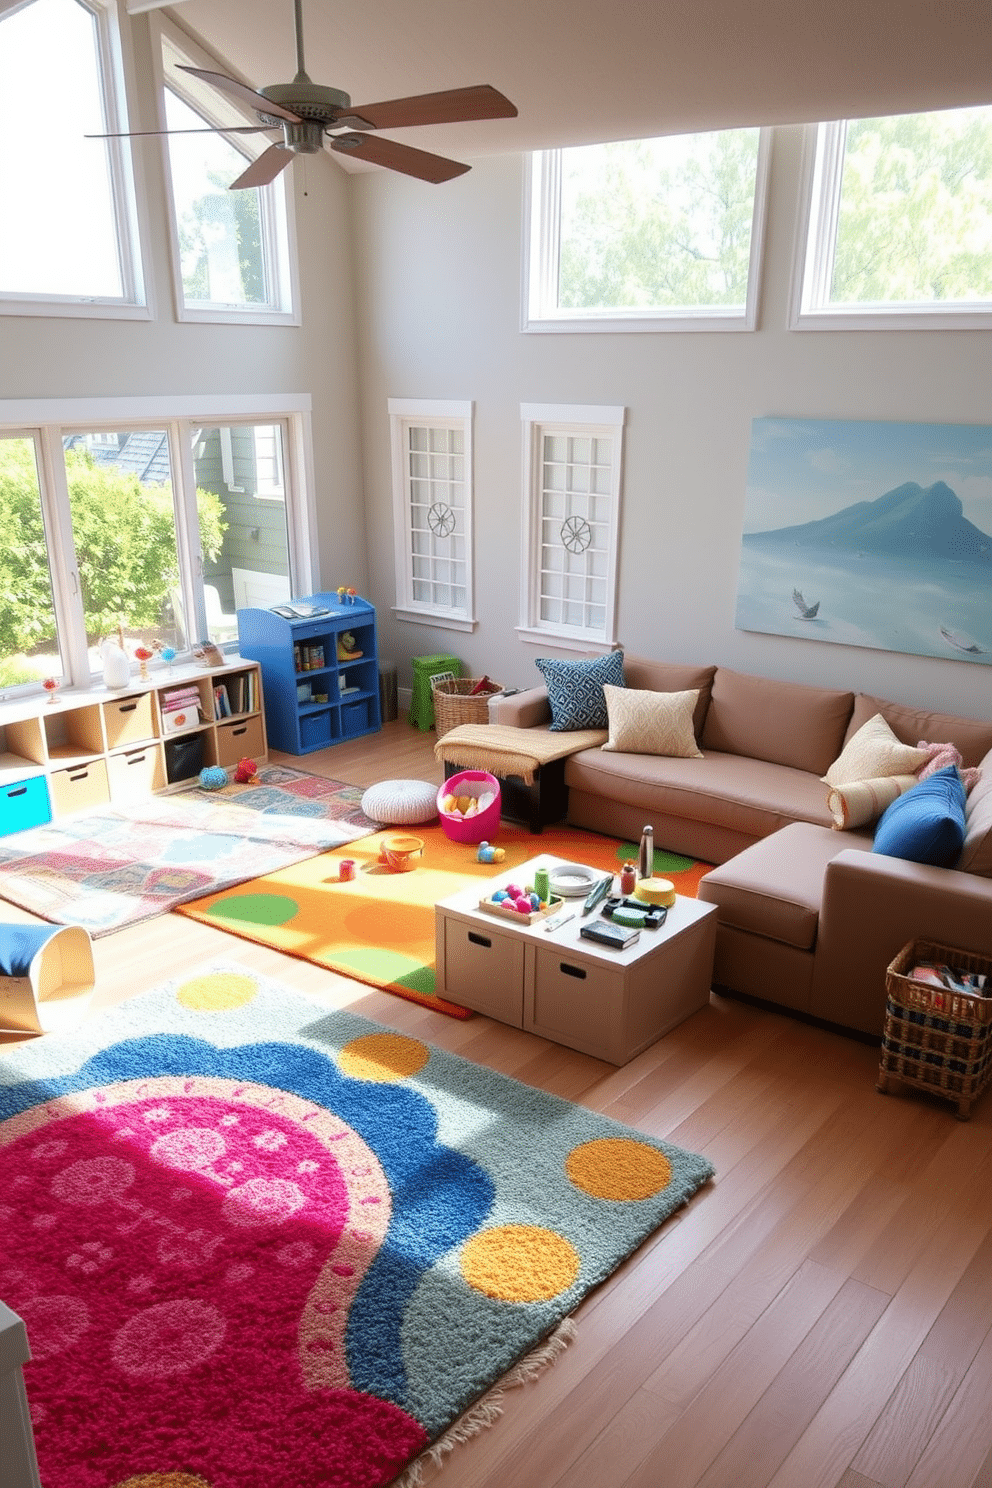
x=315 y=730
x=354 y=718
x=24 y=804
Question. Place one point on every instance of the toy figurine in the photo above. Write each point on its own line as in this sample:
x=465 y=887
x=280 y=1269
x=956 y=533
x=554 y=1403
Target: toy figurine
x=246 y=772
x=489 y=854
x=347 y=647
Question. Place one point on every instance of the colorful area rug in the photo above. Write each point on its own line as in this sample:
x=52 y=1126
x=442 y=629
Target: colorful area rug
x=257 y=1244
x=379 y=927
x=109 y=868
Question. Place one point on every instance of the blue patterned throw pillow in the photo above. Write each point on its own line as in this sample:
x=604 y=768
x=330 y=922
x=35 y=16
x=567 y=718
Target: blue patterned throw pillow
x=575 y=690
x=926 y=824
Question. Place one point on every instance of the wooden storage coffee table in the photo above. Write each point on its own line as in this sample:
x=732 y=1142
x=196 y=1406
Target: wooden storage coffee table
x=611 y=1004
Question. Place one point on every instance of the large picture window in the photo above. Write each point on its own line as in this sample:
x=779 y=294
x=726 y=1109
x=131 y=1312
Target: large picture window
x=898 y=222
x=432 y=508
x=571 y=520
x=69 y=244
x=163 y=527
x=646 y=235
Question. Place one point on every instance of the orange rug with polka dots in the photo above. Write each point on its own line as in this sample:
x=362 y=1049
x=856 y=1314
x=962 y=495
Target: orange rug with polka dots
x=378 y=926
x=257 y=1243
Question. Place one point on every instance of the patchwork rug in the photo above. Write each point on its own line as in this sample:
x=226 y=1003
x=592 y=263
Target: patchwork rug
x=109 y=868
x=258 y=1244
x=379 y=927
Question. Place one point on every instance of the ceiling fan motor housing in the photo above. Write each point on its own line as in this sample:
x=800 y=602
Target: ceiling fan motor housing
x=317 y=107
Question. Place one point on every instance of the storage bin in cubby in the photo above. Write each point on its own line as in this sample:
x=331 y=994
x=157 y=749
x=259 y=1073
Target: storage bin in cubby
x=315 y=730
x=135 y=774
x=354 y=718
x=24 y=803
x=128 y=720
x=79 y=787
x=240 y=738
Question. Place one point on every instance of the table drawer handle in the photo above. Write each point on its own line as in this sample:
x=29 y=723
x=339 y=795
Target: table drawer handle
x=480 y=940
x=576 y=971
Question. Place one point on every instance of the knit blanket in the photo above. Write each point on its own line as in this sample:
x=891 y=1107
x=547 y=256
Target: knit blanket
x=502 y=750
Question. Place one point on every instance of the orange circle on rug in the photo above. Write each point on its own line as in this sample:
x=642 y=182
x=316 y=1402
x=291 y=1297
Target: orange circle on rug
x=519 y=1263
x=383 y=1056
x=165 y=1480
x=618 y=1168
x=217 y=992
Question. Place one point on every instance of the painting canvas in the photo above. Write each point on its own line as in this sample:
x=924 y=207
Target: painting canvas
x=870 y=534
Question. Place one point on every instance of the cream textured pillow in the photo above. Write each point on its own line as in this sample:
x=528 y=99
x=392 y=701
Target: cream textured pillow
x=863 y=801
x=651 y=722
x=873 y=752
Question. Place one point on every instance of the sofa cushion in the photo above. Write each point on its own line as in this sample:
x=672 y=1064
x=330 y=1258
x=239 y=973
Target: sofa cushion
x=926 y=825
x=972 y=736
x=747 y=796
x=786 y=723
x=774 y=888
x=651 y=722
x=873 y=752
x=672 y=676
x=575 y=689
x=976 y=855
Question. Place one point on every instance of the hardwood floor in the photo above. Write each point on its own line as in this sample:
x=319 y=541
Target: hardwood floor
x=820 y=1316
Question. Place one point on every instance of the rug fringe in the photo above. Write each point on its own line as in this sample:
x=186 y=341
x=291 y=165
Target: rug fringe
x=487 y=1410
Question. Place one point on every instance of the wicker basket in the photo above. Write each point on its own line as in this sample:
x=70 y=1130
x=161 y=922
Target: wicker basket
x=933 y=1038
x=452 y=704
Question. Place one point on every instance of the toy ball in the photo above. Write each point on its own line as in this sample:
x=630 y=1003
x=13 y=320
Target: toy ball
x=212 y=777
x=535 y=901
x=486 y=853
x=499 y=896
x=514 y=891
x=522 y=905
x=246 y=772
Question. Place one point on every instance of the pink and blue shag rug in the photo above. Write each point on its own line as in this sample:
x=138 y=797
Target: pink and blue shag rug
x=260 y=1244
x=108 y=868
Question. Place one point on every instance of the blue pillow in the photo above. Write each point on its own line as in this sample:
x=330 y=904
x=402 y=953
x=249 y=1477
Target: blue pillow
x=575 y=690
x=926 y=824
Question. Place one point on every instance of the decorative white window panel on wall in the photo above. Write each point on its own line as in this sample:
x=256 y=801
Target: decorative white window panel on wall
x=572 y=468
x=432 y=511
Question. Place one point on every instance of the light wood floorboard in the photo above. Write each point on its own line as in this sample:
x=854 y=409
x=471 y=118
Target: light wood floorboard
x=820 y=1316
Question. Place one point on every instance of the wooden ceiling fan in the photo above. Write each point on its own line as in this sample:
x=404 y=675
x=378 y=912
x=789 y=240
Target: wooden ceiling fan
x=307 y=112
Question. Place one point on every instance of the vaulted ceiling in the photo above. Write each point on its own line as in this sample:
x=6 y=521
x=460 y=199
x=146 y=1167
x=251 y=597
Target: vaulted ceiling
x=584 y=70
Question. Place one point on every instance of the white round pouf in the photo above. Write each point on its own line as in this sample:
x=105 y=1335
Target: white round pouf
x=400 y=802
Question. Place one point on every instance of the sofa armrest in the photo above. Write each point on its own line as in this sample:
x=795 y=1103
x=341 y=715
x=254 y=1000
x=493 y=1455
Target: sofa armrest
x=528 y=709
x=872 y=906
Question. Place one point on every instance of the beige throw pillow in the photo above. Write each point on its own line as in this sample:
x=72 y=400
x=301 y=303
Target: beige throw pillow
x=651 y=722
x=872 y=753
x=863 y=801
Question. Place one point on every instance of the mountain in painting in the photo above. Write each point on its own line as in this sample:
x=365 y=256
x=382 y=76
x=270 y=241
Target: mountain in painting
x=908 y=522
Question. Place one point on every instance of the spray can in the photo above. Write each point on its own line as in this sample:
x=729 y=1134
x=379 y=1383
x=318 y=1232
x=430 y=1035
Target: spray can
x=645 y=860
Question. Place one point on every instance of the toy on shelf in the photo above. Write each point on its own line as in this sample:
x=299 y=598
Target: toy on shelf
x=346 y=595
x=144 y=655
x=488 y=854
x=51 y=686
x=348 y=647
x=116 y=667
x=212 y=777
x=246 y=772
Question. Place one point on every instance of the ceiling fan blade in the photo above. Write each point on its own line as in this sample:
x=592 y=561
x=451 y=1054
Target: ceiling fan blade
x=398 y=157
x=454 y=106
x=264 y=169
x=242 y=93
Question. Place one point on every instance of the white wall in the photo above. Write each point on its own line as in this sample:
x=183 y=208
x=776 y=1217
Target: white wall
x=439 y=295
x=51 y=357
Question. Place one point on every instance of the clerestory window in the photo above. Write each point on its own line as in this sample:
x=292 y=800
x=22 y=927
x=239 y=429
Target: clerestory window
x=647 y=234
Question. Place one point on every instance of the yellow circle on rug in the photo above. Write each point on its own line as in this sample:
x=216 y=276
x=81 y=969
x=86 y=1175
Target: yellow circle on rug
x=383 y=1056
x=217 y=992
x=618 y=1168
x=165 y=1480
x=519 y=1263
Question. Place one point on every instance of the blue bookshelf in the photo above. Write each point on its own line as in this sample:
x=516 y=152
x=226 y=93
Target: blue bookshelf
x=314 y=695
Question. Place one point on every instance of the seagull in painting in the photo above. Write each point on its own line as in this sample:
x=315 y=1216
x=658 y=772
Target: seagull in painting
x=806 y=612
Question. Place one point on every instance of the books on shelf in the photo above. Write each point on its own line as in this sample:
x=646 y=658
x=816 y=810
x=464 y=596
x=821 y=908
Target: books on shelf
x=222 y=703
x=178 y=697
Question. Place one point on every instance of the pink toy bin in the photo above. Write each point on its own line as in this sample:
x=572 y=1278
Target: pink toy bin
x=481 y=828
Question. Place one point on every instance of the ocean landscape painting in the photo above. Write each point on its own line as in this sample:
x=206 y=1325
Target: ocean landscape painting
x=870 y=534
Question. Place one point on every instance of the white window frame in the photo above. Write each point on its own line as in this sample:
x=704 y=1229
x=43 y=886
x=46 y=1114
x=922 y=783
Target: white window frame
x=435 y=414
x=540 y=257
x=128 y=188
x=581 y=421
x=47 y=420
x=278 y=218
x=816 y=237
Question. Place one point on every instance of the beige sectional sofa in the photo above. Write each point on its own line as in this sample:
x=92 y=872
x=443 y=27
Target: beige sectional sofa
x=810 y=917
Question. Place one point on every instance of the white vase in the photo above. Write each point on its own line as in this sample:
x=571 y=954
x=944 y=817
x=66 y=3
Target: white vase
x=116 y=667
